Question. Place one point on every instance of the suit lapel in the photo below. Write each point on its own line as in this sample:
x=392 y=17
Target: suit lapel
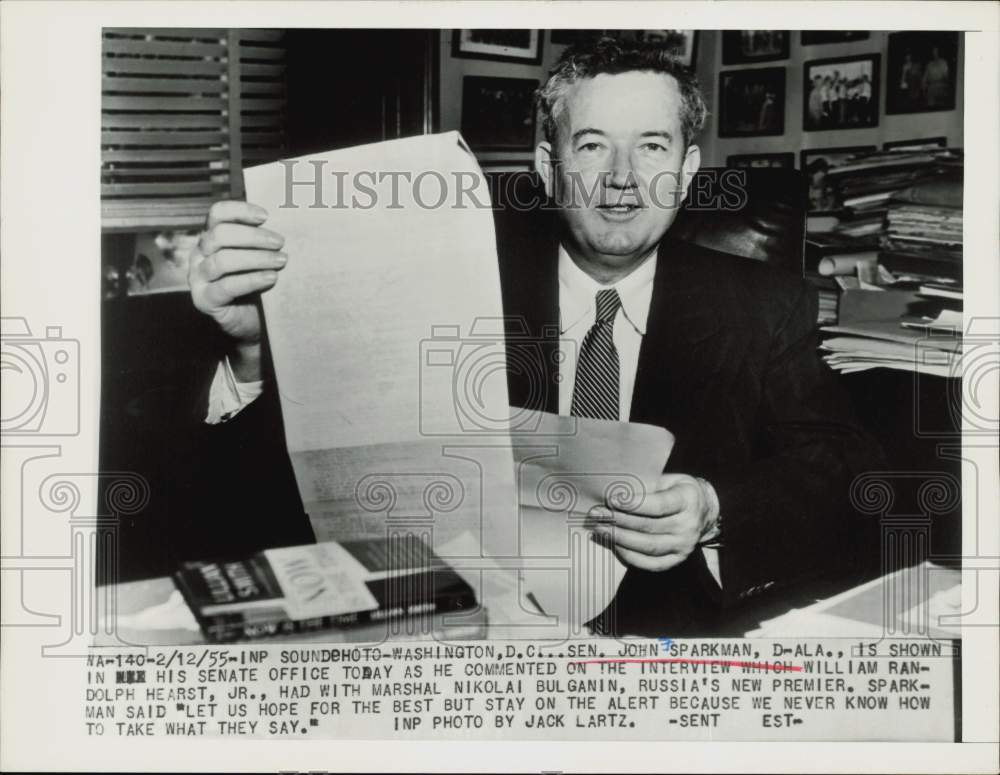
x=671 y=358
x=529 y=253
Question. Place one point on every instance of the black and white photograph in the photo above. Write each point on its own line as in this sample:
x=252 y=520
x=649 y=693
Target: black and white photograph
x=498 y=114
x=841 y=93
x=749 y=46
x=370 y=389
x=922 y=72
x=339 y=483
x=752 y=102
x=764 y=160
x=523 y=46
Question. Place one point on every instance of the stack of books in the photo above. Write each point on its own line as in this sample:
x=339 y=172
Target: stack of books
x=923 y=240
x=894 y=260
x=864 y=185
x=828 y=296
x=351 y=587
x=898 y=223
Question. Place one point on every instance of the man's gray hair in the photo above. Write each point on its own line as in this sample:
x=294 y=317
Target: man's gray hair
x=611 y=57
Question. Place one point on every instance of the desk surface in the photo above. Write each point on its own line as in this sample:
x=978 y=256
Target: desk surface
x=921 y=599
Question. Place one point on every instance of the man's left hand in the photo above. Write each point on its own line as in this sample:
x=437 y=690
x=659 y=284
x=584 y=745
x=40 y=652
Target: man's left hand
x=665 y=527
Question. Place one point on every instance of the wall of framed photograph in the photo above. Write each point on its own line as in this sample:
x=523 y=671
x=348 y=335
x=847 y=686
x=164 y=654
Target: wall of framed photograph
x=843 y=88
x=914 y=89
x=511 y=58
x=480 y=71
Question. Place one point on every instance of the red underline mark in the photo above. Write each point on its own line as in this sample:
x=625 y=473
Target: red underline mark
x=731 y=663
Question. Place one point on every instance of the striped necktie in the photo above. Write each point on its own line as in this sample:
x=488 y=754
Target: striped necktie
x=595 y=393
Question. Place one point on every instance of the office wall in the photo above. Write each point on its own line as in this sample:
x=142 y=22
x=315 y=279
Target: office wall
x=454 y=69
x=715 y=149
x=709 y=64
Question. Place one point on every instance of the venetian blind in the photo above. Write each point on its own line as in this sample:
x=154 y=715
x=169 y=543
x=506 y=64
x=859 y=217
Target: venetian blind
x=182 y=111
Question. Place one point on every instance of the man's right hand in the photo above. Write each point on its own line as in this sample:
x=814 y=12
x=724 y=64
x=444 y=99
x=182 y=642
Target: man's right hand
x=236 y=260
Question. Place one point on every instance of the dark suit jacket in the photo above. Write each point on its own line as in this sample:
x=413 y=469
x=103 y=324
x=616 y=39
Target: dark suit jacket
x=728 y=365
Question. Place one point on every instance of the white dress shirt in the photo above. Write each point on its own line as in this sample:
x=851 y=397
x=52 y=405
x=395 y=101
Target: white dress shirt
x=227 y=397
x=577 y=313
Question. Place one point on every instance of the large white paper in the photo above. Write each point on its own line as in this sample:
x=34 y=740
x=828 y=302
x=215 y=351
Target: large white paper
x=367 y=288
x=368 y=328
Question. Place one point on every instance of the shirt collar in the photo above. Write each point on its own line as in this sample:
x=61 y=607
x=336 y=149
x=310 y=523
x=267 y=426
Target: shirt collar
x=578 y=291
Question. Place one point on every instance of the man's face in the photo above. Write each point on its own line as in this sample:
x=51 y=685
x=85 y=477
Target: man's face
x=620 y=169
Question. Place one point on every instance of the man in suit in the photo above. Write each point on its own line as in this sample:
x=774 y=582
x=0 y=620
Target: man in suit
x=719 y=350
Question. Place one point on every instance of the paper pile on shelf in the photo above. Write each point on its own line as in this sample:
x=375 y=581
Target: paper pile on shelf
x=894 y=330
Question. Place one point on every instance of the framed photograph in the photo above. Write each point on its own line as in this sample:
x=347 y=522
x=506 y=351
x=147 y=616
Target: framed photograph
x=743 y=46
x=759 y=160
x=923 y=69
x=820 y=37
x=816 y=163
x=524 y=46
x=916 y=144
x=498 y=114
x=752 y=102
x=841 y=93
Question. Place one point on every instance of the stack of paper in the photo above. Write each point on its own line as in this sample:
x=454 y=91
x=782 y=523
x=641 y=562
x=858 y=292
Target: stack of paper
x=864 y=350
x=882 y=329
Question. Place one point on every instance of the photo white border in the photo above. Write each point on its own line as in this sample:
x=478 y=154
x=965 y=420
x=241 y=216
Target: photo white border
x=49 y=253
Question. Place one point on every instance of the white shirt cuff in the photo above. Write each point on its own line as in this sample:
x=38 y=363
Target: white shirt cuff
x=711 y=554
x=227 y=397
